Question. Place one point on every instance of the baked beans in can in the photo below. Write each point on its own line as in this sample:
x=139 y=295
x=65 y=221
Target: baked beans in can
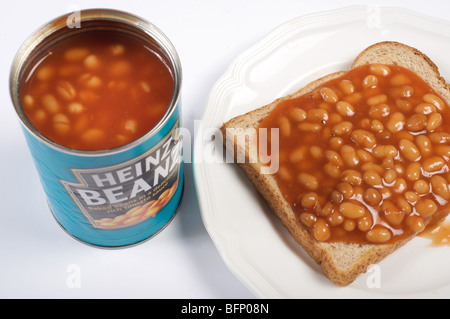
x=97 y=93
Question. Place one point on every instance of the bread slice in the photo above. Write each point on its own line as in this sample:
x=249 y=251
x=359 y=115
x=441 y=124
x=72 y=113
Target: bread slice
x=340 y=262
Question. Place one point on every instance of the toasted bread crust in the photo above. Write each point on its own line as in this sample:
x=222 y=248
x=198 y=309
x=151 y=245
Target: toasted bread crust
x=342 y=263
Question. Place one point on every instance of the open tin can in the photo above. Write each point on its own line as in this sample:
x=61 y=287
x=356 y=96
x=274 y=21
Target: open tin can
x=108 y=197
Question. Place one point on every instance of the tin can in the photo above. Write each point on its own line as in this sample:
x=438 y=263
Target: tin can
x=92 y=193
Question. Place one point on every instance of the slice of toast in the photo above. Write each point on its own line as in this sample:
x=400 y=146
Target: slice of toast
x=340 y=262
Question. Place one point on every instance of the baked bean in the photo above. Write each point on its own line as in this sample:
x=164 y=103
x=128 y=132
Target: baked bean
x=336 y=197
x=396 y=122
x=309 y=200
x=394 y=215
x=76 y=54
x=378 y=235
x=399 y=169
x=335 y=219
x=120 y=68
x=388 y=163
x=75 y=108
x=411 y=197
x=336 y=143
x=329 y=95
x=45 y=73
x=399 y=80
x=298 y=155
x=117 y=49
x=351 y=210
x=345 y=108
x=61 y=123
x=439 y=137
x=377 y=99
x=317 y=115
x=349 y=156
x=424 y=144
x=372 y=196
x=347 y=87
x=377 y=126
x=433 y=164
x=349 y=225
x=363 y=138
x=334 y=157
x=440 y=186
x=415 y=223
x=342 y=128
x=308 y=219
x=434 y=121
x=93 y=135
x=416 y=123
x=409 y=150
x=426 y=207
x=380 y=69
x=285 y=126
x=413 y=171
x=40 y=116
x=379 y=111
x=404 y=105
x=365 y=123
x=321 y=231
x=327 y=210
x=353 y=98
x=308 y=181
x=383 y=151
x=309 y=127
x=402 y=92
x=370 y=81
x=91 y=81
x=316 y=152
x=372 y=167
x=364 y=156
x=282 y=171
x=372 y=178
x=131 y=126
x=92 y=62
x=298 y=114
x=50 y=103
x=365 y=222
x=66 y=90
x=404 y=205
x=335 y=118
x=390 y=176
x=351 y=176
x=421 y=187
x=345 y=189
x=443 y=150
x=435 y=100
x=28 y=102
x=385 y=193
x=425 y=108
x=400 y=185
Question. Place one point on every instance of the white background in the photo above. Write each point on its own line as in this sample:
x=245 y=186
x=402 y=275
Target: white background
x=36 y=257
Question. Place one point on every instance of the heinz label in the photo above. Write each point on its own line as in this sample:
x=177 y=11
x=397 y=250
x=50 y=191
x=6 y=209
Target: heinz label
x=129 y=193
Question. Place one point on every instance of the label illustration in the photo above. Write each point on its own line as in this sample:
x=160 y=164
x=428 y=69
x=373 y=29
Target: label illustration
x=129 y=193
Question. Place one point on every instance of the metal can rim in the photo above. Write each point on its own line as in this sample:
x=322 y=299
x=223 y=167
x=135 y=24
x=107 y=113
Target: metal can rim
x=99 y=15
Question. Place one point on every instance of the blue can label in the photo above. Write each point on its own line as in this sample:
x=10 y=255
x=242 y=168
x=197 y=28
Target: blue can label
x=129 y=193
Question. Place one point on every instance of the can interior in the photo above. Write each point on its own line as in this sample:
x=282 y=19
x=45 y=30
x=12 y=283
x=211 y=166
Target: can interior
x=38 y=44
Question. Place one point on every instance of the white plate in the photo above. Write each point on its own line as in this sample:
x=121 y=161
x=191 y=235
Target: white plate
x=251 y=240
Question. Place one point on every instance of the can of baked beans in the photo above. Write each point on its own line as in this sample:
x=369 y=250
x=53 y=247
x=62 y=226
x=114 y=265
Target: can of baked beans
x=97 y=93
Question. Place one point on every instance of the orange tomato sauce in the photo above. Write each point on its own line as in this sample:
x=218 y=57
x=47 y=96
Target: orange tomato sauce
x=98 y=90
x=364 y=158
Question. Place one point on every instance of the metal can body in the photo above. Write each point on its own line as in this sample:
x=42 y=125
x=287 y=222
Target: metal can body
x=116 y=197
